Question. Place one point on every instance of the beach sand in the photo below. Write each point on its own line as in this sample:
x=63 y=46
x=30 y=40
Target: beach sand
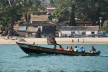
x=59 y=40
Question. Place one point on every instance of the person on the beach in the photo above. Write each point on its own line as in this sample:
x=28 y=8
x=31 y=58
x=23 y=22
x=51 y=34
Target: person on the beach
x=83 y=40
x=72 y=40
x=93 y=50
x=60 y=48
x=78 y=40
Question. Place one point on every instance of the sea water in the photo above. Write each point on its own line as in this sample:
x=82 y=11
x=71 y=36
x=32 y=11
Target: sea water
x=13 y=59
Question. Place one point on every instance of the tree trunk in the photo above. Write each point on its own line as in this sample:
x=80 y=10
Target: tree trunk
x=11 y=31
x=72 y=16
x=27 y=18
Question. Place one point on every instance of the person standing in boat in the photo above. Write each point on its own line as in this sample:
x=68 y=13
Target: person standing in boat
x=51 y=40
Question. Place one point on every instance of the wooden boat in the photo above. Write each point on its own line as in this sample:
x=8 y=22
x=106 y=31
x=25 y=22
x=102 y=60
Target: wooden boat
x=34 y=49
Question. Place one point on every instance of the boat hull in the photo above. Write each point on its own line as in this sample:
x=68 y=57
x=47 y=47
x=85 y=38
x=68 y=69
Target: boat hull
x=34 y=49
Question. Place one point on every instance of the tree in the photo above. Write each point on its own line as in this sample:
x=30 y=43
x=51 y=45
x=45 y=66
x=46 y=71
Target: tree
x=105 y=26
x=10 y=13
x=30 y=7
x=67 y=8
x=52 y=3
x=3 y=17
x=91 y=10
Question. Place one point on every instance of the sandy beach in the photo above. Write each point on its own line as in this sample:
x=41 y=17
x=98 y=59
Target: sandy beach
x=59 y=40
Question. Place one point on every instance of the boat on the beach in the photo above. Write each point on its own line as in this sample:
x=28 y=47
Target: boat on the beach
x=35 y=49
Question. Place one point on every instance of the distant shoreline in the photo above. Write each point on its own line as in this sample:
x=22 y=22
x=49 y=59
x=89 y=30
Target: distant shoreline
x=59 y=40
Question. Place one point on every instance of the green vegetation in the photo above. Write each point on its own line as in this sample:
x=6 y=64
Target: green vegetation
x=12 y=11
x=87 y=10
x=105 y=26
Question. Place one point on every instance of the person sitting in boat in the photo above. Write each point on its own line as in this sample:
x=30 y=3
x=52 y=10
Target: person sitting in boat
x=60 y=48
x=76 y=49
x=70 y=49
x=93 y=50
x=67 y=49
x=81 y=49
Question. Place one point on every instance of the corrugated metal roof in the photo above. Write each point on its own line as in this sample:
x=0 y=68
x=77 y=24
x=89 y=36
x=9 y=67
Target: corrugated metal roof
x=32 y=29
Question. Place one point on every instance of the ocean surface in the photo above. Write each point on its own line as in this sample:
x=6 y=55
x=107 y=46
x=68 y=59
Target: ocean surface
x=13 y=59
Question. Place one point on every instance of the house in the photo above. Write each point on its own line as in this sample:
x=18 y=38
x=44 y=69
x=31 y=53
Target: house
x=32 y=30
x=50 y=9
x=21 y=30
x=73 y=31
x=80 y=23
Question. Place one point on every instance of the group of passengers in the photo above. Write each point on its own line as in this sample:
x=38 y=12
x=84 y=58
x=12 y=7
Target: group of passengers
x=69 y=49
x=51 y=40
x=76 y=49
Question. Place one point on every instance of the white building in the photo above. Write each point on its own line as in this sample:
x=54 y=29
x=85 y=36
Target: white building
x=78 y=30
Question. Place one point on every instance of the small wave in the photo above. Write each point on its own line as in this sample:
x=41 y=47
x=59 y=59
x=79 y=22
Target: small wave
x=103 y=56
x=35 y=55
x=20 y=71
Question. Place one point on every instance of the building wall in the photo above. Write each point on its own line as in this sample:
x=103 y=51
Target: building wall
x=74 y=33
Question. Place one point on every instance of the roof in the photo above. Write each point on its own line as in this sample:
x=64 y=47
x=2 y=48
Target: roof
x=39 y=17
x=22 y=28
x=79 y=28
x=32 y=29
x=51 y=8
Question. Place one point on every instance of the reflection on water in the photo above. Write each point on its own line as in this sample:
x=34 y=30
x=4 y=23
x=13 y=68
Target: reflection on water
x=13 y=59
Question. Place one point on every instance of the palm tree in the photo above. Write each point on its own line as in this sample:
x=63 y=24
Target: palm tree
x=10 y=13
x=70 y=7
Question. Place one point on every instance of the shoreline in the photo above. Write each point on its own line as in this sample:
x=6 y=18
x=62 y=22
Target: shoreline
x=58 y=40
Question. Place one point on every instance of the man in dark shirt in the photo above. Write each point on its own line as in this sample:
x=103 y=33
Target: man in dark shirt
x=51 y=40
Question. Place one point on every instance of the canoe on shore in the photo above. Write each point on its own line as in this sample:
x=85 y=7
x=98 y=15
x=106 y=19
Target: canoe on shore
x=34 y=49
